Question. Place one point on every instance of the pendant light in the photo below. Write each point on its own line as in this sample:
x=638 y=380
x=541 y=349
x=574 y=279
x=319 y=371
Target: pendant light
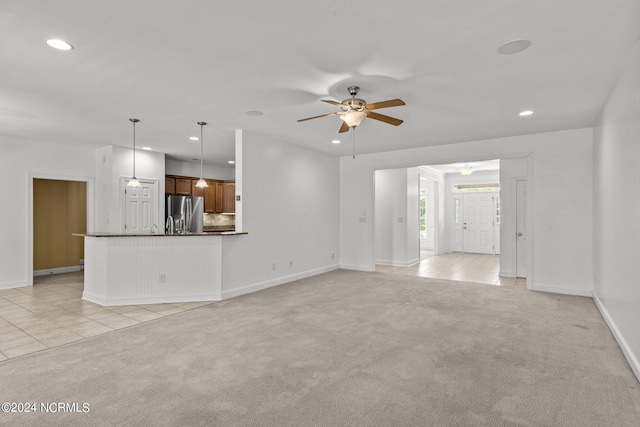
x=201 y=182
x=133 y=182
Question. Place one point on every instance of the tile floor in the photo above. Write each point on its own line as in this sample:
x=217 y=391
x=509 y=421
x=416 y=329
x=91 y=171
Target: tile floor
x=466 y=267
x=52 y=313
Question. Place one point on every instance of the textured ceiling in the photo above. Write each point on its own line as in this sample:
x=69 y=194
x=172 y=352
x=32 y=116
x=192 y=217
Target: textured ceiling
x=171 y=64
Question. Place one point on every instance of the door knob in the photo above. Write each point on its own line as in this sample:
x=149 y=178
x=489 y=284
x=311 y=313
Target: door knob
x=519 y=233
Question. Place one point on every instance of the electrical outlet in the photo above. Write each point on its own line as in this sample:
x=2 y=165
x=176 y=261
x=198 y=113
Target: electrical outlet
x=290 y=263
x=162 y=278
x=273 y=266
x=333 y=255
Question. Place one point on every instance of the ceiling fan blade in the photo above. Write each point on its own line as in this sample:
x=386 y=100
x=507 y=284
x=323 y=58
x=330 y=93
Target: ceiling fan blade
x=383 y=118
x=317 y=117
x=344 y=127
x=339 y=104
x=385 y=104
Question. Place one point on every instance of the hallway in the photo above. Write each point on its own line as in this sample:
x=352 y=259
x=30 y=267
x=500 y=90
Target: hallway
x=466 y=267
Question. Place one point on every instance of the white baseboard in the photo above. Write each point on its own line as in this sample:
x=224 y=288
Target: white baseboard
x=398 y=263
x=58 y=270
x=356 y=267
x=12 y=285
x=113 y=302
x=505 y=273
x=565 y=291
x=230 y=293
x=634 y=363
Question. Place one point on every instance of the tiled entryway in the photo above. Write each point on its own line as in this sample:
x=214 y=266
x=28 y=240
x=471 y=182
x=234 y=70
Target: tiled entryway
x=52 y=313
x=466 y=267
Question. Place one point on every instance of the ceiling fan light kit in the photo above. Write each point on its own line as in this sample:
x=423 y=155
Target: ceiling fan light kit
x=354 y=110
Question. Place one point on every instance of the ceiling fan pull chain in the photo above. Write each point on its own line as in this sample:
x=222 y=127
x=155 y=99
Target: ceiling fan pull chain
x=353 y=140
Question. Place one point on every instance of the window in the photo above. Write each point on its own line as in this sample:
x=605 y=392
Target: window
x=475 y=188
x=423 y=213
x=456 y=211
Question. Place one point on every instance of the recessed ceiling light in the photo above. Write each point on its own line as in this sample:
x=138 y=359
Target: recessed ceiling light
x=526 y=113
x=335 y=141
x=59 y=44
x=253 y=112
x=146 y=148
x=232 y=162
x=194 y=138
x=514 y=46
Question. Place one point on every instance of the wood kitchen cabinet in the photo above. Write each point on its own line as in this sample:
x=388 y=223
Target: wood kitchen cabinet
x=209 y=195
x=229 y=201
x=169 y=185
x=218 y=195
x=183 y=186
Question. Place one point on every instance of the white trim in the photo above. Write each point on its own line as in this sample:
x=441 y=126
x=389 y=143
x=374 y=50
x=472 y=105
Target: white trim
x=556 y=290
x=58 y=270
x=398 y=263
x=12 y=285
x=506 y=273
x=111 y=302
x=230 y=293
x=632 y=359
x=356 y=267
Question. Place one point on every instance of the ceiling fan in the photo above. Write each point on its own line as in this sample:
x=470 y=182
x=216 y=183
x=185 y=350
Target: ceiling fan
x=353 y=110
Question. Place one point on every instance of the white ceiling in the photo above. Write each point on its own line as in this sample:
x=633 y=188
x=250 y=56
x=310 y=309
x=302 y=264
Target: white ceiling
x=171 y=64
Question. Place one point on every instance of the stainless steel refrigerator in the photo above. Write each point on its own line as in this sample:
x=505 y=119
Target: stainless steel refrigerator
x=184 y=214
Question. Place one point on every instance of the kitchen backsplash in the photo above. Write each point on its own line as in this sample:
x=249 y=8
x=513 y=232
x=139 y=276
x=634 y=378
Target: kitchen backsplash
x=217 y=220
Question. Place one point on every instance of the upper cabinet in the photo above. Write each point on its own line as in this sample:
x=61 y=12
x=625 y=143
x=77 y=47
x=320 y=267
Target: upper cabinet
x=169 y=185
x=229 y=202
x=219 y=196
x=183 y=186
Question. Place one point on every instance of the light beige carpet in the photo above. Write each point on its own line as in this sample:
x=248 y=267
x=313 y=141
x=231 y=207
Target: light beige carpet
x=344 y=349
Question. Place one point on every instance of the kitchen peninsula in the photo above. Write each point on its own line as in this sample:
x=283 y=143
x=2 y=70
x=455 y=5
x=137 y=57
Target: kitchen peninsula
x=131 y=269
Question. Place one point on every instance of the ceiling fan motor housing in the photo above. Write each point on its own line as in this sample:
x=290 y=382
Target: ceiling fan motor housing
x=356 y=104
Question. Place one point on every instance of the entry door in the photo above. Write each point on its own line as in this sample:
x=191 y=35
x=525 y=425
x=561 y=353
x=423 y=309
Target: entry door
x=141 y=207
x=521 y=229
x=478 y=223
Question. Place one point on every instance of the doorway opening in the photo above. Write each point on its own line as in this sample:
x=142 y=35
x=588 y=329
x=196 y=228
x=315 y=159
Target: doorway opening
x=59 y=210
x=462 y=218
x=58 y=207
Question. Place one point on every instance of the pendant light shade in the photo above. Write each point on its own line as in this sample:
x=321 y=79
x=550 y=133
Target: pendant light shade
x=353 y=118
x=201 y=182
x=133 y=182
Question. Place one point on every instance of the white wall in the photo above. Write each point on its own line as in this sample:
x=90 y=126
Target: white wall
x=397 y=240
x=17 y=163
x=290 y=209
x=112 y=164
x=174 y=167
x=561 y=219
x=616 y=211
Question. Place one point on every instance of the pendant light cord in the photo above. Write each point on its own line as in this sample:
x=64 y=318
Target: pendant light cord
x=134 y=149
x=201 y=149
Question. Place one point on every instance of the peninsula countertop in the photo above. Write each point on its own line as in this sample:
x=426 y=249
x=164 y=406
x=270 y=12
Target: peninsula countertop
x=205 y=233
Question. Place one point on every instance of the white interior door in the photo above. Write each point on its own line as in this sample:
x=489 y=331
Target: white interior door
x=521 y=229
x=140 y=207
x=478 y=223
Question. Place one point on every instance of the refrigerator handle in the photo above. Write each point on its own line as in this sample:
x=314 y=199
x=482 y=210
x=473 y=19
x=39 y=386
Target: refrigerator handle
x=187 y=215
